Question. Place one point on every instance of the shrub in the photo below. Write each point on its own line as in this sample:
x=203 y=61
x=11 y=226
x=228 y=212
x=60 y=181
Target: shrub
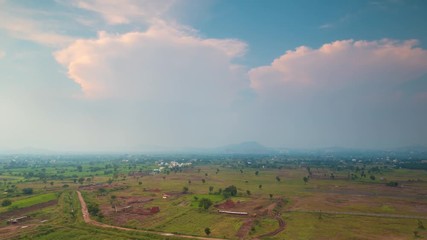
x=27 y=191
x=6 y=202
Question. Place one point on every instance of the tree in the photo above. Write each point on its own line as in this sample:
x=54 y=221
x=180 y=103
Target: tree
x=420 y=224
x=81 y=180
x=189 y=181
x=27 y=191
x=256 y=173
x=260 y=186
x=372 y=177
x=248 y=192
x=392 y=184
x=230 y=191
x=102 y=191
x=79 y=168
x=6 y=202
x=305 y=179
x=271 y=196
x=277 y=178
x=207 y=231
x=211 y=188
x=185 y=189
x=203 y=180
x=93 y=209
x=205 y=203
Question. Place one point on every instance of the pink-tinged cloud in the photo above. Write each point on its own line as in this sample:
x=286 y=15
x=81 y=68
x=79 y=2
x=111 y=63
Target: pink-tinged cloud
x=126 y=11
x=25 y=24
x=339 y=66
x=165 y=63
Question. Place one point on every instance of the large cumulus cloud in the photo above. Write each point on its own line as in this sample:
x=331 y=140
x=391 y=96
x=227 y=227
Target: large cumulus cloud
x=166 y=62
x=341 y=65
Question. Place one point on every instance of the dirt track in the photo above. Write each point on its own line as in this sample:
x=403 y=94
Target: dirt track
x=88 y=220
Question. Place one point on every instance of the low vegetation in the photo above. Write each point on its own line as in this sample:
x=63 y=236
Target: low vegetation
x=224 y=196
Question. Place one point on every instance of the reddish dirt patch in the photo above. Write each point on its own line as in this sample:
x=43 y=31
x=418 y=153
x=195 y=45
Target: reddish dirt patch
x=245 y=228
x=228 y=204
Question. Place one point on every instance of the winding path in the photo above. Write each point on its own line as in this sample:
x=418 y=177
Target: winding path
x=88 y=220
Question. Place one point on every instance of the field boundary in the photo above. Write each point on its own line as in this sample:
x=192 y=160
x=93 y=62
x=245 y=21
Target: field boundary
x=88 y=220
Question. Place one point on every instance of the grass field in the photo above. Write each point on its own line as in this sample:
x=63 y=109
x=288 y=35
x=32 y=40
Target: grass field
x=264 y=193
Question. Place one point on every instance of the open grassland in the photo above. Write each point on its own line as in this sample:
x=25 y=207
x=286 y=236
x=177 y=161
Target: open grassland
x=119 y=195
x=30 y=201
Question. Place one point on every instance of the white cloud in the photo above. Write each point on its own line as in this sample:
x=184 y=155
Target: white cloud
x=166 y=62
x=126 y=11
x=341 y=65
x=350 y=91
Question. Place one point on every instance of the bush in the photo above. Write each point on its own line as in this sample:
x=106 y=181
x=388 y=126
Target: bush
x=93 y=209
x=205 y=203
x=6 y=202
x=27 y=191
x=392 y=184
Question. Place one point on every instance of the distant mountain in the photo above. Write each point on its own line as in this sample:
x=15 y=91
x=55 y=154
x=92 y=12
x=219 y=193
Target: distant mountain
x=246 y=148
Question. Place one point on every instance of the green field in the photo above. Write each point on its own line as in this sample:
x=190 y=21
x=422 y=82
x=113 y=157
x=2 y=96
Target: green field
x=122 y=194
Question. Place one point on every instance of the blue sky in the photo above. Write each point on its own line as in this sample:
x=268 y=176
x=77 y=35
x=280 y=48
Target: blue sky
x=88 y=75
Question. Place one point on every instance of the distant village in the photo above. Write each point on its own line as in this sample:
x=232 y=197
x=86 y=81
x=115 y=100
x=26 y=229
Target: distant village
x=163 y=166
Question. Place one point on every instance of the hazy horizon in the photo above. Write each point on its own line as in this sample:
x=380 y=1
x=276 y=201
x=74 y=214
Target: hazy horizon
x=87 y=75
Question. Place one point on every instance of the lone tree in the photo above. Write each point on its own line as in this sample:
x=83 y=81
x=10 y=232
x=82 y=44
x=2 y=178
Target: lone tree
x=185 y=189
x=207 y=231
x=260 y=186
x=230 y=191
x=305 y=179
x=203 y=180
x=277 y=178
x=271 y=196
x=256 y=173
x=211 y=189
x=248 y=192
x=205 y=203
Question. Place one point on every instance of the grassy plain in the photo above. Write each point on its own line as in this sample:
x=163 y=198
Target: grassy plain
x=265 y=193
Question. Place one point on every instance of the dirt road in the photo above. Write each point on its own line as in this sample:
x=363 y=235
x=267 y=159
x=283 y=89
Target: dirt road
x=88 y=220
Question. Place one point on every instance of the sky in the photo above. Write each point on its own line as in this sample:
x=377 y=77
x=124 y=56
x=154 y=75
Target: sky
x=136 y=75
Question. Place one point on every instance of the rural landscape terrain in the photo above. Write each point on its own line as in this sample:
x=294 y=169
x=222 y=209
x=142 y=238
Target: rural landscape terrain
x=213 y=119
x=329 y=194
